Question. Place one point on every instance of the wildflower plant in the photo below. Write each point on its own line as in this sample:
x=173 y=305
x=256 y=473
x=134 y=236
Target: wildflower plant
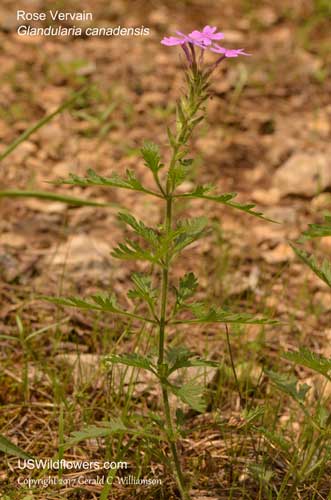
x=309 y=452
x=157 y=303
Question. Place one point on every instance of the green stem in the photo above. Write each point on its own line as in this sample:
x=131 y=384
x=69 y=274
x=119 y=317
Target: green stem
x=173 y=446
x=165 y=283
x=184 y=131
x=162 y=372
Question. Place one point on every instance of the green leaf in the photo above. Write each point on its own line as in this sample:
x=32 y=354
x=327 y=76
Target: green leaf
x=318 y=230
x=10 y=448
x=44 y=195
x=192 y=395
x=46 y=119
x=94 y=432
x=147 y=233
x=151 y=154
x=130 y=250
x=323 y=271
x=205 y=314
x=143 y=288
x=310 y=359
x=289 y=385
x=178 y=173
x=188 y=285
x=181 y=357
x=133 y=359
x=97 y=302
x=225 y=199
x=93 y=179
x=172 y=138
x=188 y=231
x=181 y=118
x=115 y=426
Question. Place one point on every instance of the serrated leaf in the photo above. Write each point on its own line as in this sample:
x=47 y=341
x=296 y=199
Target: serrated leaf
x=131 y=250
x=178 y=174
x=188 y=231
x=94 y=432
x=225 y=199
x=192 y=395
x=115 y=426
x=142 y=288
x=93 y=179
x=133 y=359
x=310 y=359
x=151 y=154
x=289 y=385
x=318 y=230
x=204 y=314
x=97 y=302
x=188 y=285
x=145 y=232
x=323 y=270
x=9 y=448
x=181 y=357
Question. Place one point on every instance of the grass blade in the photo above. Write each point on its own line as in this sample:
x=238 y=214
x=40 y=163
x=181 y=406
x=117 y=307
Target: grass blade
x=48 y=196
x=27 y=133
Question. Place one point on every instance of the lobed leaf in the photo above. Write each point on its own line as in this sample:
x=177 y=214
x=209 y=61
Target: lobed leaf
x=323 y=270
x=181 y=357
x=318 y=230
x=130 y=250
x=147 y=233
x=289 y=385
x=93 y=179
x=205 y=314
x=225 y=199
x=98 y=302
x=93 y=432
x=135 y=360
x=143 y=288
x=188 y=285
x=151 y=154
x=310 y=359
x=188 y=231
x=178 y=173
x=191 y=394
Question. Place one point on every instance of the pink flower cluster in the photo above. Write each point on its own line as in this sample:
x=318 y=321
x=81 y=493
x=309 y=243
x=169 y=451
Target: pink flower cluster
x=204 y=39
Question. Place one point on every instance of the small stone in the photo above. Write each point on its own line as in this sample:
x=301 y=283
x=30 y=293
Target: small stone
x=281 y=253
x=321 y=201
x=266 y=196
x=304 y=174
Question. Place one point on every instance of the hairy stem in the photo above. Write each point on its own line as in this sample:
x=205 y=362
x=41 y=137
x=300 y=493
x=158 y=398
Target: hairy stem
x=184 y=131
x=161 y=366
x=173 y=446
x=165 y=283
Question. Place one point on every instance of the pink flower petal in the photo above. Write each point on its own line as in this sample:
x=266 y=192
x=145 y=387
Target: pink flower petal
x=172 y=40
x=208 y=30
x=228 y=52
